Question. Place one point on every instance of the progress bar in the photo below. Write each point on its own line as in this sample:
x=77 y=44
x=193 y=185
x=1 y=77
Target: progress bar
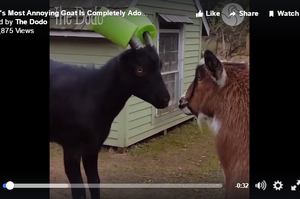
x=10 y=185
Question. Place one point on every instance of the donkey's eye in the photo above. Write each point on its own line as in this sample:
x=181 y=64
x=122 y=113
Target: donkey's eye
x=140 y=70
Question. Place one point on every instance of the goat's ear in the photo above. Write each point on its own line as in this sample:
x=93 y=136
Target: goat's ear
x=214 y=65
x=152 y=47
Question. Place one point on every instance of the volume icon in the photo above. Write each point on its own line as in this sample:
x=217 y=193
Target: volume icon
x=261 y=185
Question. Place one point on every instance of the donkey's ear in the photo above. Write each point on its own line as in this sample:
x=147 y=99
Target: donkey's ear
x=215 y=67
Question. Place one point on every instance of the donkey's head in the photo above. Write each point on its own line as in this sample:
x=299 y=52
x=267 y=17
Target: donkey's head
x=202 y=93
x=214 y=87
x=220 y=91
x=140 y=73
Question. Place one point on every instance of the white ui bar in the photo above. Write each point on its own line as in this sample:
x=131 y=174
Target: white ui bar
x=10 y=185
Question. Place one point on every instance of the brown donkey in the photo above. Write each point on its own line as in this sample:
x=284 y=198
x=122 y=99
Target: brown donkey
x=219 y=94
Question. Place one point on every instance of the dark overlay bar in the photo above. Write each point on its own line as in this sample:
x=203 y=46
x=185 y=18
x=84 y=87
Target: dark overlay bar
x=25 y=97
x=274 y=142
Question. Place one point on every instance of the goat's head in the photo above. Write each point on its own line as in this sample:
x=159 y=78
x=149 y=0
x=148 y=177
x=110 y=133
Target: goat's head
x=140 y=73
x=201 y=95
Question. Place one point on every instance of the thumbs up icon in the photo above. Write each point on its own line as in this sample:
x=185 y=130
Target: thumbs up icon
x=199 y=14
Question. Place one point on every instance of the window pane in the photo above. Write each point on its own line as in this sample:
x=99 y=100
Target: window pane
x=175 y=44
x=172 y=86
x=169 y=80
x=168 y=44
x=165 y=62
x=168 y=51
x=174 y=62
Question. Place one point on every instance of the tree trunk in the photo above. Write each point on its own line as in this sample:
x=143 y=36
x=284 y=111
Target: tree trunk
x=217 y=43
x=223 y=41
x=247 y=45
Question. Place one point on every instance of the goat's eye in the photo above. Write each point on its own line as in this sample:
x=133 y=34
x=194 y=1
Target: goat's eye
x=199 y=78
x=140 y=70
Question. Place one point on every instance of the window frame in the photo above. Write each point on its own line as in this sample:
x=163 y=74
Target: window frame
x=180 y=70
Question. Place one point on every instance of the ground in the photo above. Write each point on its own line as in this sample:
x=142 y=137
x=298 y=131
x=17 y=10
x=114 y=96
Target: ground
x=184 y=155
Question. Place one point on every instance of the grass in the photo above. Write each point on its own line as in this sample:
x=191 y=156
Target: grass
x=184 y=155
x=55 y=150
x=178 y=137
x=185 y=141
x=186 y=146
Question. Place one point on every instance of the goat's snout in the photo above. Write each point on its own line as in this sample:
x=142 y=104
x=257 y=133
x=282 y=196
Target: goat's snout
x=162 y=101
x=166 y=99
x=183 y=105
x=183 y=102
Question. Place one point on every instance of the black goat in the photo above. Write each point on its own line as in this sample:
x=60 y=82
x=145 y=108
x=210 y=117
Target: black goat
x=85 y=101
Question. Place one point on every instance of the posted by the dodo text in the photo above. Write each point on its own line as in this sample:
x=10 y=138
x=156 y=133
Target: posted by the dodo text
x=25 y=21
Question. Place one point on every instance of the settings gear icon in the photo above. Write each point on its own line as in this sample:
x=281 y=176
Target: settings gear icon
x=278 y=185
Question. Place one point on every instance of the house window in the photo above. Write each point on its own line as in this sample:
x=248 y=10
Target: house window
x=169 y=52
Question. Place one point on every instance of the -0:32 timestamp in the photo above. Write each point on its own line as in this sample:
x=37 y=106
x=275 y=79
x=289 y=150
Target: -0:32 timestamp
x=242 y=185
